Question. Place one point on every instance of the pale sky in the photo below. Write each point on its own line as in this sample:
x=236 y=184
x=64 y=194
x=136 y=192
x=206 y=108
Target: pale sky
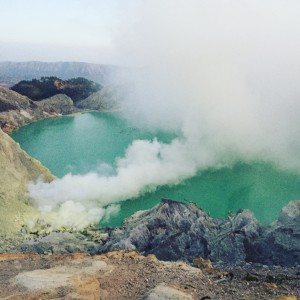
x=139 y=31
x=56 y=30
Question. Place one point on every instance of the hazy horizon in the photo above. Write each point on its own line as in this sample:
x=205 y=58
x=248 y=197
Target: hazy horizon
x=108 y=32
x=81 y=31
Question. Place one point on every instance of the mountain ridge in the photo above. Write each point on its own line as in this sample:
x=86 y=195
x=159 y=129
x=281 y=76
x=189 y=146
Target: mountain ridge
x=12 y=72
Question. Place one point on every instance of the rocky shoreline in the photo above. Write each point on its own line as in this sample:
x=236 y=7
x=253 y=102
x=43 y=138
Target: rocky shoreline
x=17 y=111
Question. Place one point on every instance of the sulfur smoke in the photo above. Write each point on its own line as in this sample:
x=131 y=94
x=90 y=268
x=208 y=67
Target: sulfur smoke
x=224 y=75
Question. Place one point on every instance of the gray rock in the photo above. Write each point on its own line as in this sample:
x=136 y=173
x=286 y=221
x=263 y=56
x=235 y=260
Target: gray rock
x=108 y=98
x=58 y=104
x=59 y=242
x=17 y=110
x=10 y=100
x=163 y=292
x=174 y=230
x=280 y=242
x=182 y=231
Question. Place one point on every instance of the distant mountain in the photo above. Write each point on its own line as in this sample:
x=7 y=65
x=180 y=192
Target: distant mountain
x=13 y=72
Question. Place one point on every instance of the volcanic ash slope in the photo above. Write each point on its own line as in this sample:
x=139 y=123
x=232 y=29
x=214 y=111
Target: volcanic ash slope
x=16 y=169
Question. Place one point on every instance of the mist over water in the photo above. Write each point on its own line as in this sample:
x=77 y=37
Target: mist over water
x=223 y=75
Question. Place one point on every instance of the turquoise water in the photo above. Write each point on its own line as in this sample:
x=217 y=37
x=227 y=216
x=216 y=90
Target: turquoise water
x=91 y=141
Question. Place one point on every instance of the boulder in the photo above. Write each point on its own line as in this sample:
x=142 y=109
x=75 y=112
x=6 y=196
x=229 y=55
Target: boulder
x=164 y=292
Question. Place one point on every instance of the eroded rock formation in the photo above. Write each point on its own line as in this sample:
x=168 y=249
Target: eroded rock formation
x=173 y=230
x=17 y=110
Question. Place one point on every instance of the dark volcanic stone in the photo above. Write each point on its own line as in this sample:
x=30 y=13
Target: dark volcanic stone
x=174 y=230
x=181 y=231
x=280 y=243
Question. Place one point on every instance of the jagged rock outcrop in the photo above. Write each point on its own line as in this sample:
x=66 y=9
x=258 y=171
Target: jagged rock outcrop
x=280 y=243
x=16 y=169
x=58 y=104
x=108 y=98
x=17 y=110
x=181 y=231
x=10 y=100
x=173 y=230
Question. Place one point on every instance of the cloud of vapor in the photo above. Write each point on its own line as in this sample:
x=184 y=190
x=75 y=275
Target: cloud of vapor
x=223 y=74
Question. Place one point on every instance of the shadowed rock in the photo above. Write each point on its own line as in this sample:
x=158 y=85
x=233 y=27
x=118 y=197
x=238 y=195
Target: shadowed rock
x=174 y=230
x=280 y=243
x=181 y=231
x=17 y=110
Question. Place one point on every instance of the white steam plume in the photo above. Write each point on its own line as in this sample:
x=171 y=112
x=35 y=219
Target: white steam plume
x=225 y=74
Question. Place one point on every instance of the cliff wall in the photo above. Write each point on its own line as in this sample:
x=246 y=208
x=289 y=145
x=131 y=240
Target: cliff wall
x=16 y=168
x=17 y=110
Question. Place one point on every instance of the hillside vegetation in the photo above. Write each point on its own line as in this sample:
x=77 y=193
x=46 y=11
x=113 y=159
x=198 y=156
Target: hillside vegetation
x=76 y=88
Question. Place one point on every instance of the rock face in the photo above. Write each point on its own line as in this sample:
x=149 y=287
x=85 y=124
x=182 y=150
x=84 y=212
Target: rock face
x=173 y=230
x=181 y=231
x=16 y=169
x=108 y=98
x=17 y=110
x=58 y=104
x=10 y=100
x=280 y=243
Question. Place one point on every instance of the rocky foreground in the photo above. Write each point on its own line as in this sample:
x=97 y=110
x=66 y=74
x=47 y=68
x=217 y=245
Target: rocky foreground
x=200 y=258
x=182 y=231
x=128 y=275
